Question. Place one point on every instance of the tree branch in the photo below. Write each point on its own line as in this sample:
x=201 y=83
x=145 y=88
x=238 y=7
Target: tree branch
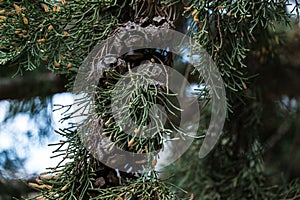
x=43 y=84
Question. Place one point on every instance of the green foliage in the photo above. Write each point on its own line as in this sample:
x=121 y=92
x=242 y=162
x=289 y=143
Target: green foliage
x=60 y=35
x=228 y=30
x=140 y=94
x=226 y=174
x=80 y=176
x=57 y=36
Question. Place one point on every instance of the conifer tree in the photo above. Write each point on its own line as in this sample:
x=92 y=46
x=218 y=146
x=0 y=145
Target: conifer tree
x=237 y=35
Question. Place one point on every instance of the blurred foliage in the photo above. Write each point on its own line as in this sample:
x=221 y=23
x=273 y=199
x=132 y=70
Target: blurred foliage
x=226 y=174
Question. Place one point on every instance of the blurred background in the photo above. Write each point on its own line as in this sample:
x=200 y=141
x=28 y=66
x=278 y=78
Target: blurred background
x=27 y=124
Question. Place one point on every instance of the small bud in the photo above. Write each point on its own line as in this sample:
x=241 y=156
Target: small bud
x=56 y=64
x=25 y=20
x=38 y=180
x=49 y=187
x=131 y=143
x=57 y=175
x=194 y=12
x=69 y=65
x=47 y=177
x=17 y=8
x=63 y=57
x=64 y=188
x=3 y=18
x=34 y=185
x=244 y=85
x=40 y=41
x=50 y=27
x=106 y=124
x=196 y=19
x=39 y=197
x=192 y=197
x=46 y=8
